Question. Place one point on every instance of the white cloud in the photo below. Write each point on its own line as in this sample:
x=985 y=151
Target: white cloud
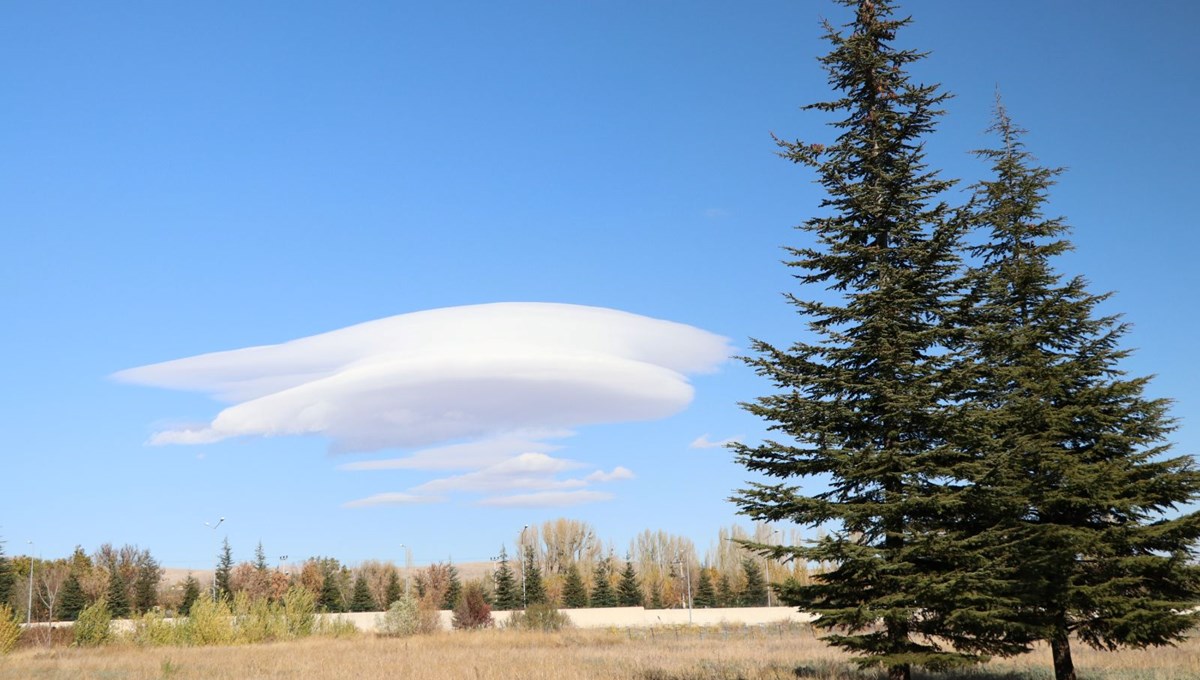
x=438 y=376
x=547 y=499
x=468 y=455
x=703 y=442
x=394 y=498
x=480 y=388
x=618 y=473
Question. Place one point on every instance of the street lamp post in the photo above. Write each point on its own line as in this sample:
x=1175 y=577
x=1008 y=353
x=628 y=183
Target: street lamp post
x=214 y=539
x=524 y=600
x=29 y=605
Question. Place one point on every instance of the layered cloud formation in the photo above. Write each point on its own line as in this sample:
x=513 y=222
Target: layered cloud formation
x=479 y=388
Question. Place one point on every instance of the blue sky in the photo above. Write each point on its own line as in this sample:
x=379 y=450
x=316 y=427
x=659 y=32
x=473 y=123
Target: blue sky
x=177 y=180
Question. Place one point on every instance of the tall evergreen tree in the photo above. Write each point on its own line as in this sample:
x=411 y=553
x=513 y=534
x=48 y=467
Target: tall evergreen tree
x=145 y=585
x=191 y=593
x=508 y=594
x=864 y=404
x=1071 y=478
x=72 y=600
x=602 y=590
x=754 y=591
x=330 y=598
x=534 y=590
x=706 y=595
x=223 y=572
x=392 y=592
x=725 y=595
x=117 y=594
x=574 y=594
x=629 y=592
x=7 y=577
x=362 y=601
x=656 y=596
x=453 y=588
x=260 y=558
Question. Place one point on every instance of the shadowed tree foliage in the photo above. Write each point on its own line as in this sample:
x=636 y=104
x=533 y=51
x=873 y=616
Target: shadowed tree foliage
x=72 y=600
x=629 y=592
x=535 y=591
x=453 y=588
x=754 y=590
x=393 y=591
x=706 y=595
x=116 y=596
x=574 y=593
x=1072 y=491
x=191 y=593
x=7 y=577
x=224 y=571
x=725 y=595
x=362 y=601
x=602 y=590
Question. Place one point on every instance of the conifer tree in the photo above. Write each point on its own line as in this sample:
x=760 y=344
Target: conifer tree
x=191 y=593
x=602 y=590
x=330 y=599
x=706 y=595
x=453 y=588
x=117 y=597
x=629 y=592
x=656 y=596
x=574 y=594
x=7 y=577
x=725 y=596
x=223 y=572
x=72 y=600
x=145 y=585
x=534 y=591
x=1072 y=483
x=863 y=403
x=362 y=601
x=508 y=595
x=754 y=590
x=392 y=592
x=260 y=558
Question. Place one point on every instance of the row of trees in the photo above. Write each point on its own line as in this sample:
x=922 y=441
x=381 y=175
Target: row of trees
x=561 y=563
x=993 y=477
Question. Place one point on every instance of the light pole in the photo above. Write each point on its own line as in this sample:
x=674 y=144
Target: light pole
x=407 y=567
x=214 y=539
x=687 y=577
x=29 y=605
x=524 y=600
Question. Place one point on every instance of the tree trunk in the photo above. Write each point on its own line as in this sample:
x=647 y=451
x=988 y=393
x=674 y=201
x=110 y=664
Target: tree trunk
x=1060 y=648
x=902 y=672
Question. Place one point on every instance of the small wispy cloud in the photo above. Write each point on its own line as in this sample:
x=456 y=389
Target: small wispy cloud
x=618 y=473
x=526 y=471
x=468 y=455
x=395 y=498
x=554 y=499
x=704 y=442
x=716 y=213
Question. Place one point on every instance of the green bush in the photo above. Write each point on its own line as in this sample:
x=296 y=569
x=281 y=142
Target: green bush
x=541 y=616
x=92 y=628
x=337 y=627
x=407 y=616
x=10 y=630
x=299 y=612
x=209 y=623
x=152 y=630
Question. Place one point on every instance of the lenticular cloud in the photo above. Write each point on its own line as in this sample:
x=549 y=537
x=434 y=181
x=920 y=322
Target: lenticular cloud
x=444 y=375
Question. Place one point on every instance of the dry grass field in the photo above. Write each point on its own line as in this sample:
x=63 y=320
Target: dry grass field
x=760 y=653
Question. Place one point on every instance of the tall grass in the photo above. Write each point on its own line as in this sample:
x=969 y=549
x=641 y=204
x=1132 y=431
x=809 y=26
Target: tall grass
x=761 y=653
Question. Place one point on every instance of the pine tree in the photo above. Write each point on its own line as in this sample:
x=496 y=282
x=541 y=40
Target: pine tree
x=574 y=594
x=656 y=596
x=706 y=596
x=145 y=585
x=330 y=599
x=602 y=590
x=191 y=593
x=453 y=589
x=1071 y=480
x=362 y=601
x=223 y=571
x=117 y=596
x=629 y=592
x=863 y=405
x=260 y=558
x=534 y=590
x=72 y=600
x=393 y=591
x=725 y=596
x=754 y=591
x=7 y=577
x=508 y=595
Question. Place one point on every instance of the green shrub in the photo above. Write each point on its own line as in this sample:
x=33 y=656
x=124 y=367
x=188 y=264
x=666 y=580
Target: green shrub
x=257 y=620
x=299 y=612
x=337 y=627
x=407 y=616
x=208 y=623
x=152 y=630
x=10 y=630
x=92 y=628
x=541 y=616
